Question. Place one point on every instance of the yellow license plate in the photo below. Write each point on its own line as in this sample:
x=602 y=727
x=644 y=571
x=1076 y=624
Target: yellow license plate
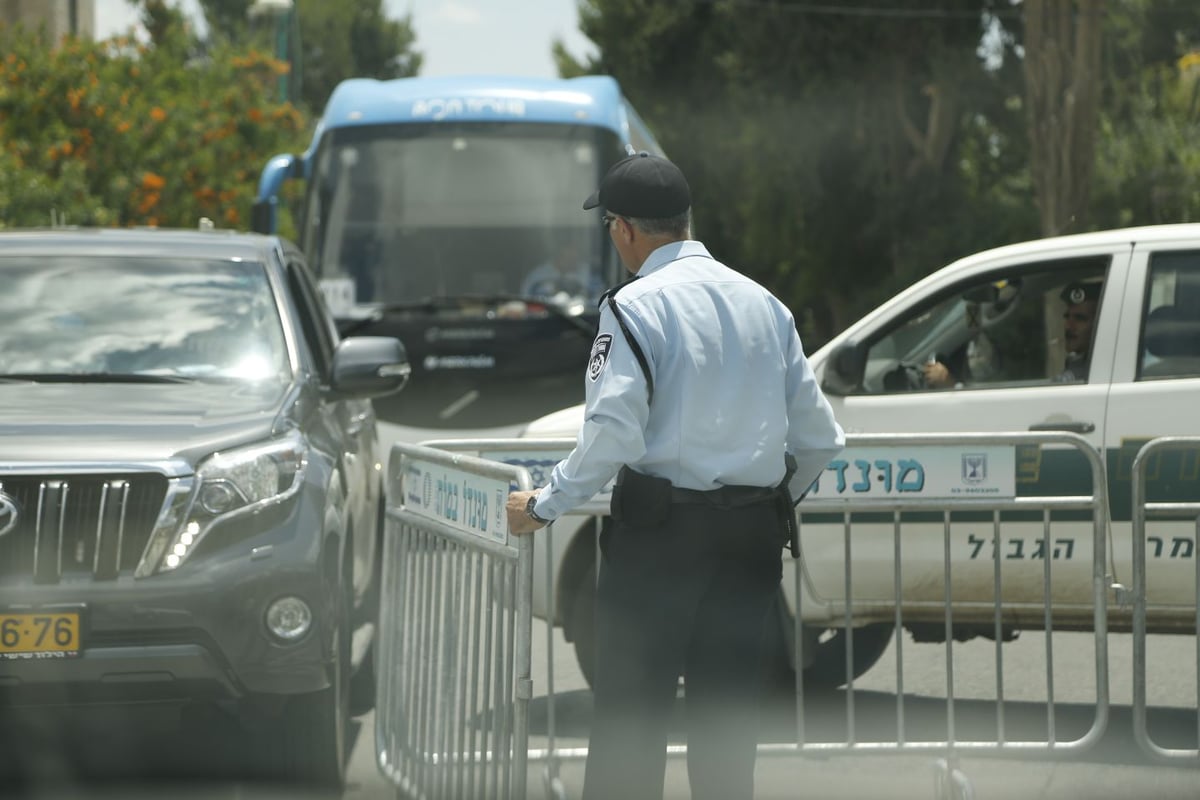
x=51 y=634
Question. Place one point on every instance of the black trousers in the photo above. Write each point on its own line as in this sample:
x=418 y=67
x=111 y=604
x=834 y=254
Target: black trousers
x=690 y=596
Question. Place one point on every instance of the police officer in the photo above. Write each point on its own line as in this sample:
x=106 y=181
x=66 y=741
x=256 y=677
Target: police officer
x=698 y=392
x=1079 y=320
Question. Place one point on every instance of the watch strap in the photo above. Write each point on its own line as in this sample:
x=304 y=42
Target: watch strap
x=533 y=515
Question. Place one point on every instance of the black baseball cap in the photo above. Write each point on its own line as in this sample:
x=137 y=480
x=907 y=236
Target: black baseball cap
x=643 y=186
x=1080 y=292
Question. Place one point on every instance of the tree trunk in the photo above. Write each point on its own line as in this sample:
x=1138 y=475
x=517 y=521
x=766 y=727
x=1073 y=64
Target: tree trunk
x=1062 y=86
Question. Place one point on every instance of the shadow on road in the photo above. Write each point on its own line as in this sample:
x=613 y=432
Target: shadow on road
x=876 y=717
x=138 y=753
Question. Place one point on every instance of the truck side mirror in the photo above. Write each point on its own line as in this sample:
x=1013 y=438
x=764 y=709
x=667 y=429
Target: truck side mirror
x=845 y=368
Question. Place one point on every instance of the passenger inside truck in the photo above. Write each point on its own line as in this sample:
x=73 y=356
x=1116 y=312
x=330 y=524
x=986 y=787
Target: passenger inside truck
x=1003 y=330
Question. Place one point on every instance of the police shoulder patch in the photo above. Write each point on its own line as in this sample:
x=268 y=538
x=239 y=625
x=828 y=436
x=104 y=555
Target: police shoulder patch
x=599 y=356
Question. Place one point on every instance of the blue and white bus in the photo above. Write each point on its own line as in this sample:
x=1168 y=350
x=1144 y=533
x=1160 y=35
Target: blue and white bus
x=435 y=210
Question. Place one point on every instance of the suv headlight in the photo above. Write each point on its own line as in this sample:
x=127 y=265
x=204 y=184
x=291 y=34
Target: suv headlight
x=249 y=476
x=228 y=484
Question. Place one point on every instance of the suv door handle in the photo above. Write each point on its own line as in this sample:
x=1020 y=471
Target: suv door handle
x=1070 y=427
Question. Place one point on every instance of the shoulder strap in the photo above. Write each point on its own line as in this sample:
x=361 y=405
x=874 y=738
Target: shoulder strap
x=610 y=298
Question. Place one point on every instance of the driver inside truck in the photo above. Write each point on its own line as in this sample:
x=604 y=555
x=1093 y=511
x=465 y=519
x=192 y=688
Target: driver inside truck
x=978 y=360
x=1079 y=320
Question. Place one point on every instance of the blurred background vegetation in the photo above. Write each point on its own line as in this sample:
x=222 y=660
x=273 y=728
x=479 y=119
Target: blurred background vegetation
x=837 y=151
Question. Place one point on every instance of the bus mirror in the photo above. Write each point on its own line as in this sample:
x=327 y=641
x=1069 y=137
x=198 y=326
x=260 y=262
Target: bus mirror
x=844 y=369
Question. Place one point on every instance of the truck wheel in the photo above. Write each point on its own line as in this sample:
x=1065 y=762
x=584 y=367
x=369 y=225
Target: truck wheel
x=828 y=669
x=583 y=625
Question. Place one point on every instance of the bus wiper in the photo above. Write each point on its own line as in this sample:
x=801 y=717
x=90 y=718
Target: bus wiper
x=554 y=308
x=92 y=377
x=440 y=302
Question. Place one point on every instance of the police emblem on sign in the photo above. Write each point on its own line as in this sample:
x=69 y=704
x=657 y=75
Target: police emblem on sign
x=599 y=355
x=974 y=467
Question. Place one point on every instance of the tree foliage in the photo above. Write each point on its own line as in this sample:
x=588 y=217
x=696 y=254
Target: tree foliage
x=824 y=148
x=336 y=41
x=837 y=152
x=118 y=133
x=1147 y=168
x=1062 y=93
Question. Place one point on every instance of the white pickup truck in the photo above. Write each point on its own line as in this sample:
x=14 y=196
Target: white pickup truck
x=1001 y=323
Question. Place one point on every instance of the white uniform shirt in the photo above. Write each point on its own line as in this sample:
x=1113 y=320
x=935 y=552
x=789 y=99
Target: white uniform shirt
x=732 y=387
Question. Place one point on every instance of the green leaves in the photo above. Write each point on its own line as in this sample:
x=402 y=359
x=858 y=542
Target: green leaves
x=123 y=133
x=838 y=152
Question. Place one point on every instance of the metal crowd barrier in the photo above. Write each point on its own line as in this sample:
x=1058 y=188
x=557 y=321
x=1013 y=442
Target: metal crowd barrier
x=405 y=746
x=954 y=743
x=452 y=711
x=537 y=456
x=1146 y=461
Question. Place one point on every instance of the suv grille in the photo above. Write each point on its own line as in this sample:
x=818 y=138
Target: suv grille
x=94 y=525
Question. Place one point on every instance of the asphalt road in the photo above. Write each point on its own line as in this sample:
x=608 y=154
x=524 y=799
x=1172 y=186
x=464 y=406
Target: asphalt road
x=1113 y=767
x=147 y=753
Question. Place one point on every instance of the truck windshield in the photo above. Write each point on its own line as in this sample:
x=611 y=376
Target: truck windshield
x=398 y=213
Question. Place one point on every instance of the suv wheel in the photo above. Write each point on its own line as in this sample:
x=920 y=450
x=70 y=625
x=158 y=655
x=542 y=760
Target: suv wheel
x=307 y=743
x=362 y=683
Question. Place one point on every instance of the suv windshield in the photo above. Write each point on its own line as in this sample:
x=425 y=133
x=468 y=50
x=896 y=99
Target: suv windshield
x=102 y=316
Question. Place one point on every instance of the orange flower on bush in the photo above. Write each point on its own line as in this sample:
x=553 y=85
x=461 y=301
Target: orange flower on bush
x=148 y=202
x=157 y=114
x=152 y=182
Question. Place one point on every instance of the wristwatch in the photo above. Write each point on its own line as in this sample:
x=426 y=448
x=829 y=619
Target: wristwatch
x=533 y=515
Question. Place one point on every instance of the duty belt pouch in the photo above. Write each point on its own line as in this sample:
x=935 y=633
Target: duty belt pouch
x=641 y=500
x=787 y=507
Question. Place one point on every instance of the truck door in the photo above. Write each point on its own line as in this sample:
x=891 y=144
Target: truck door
x=1156 y=380
x=999 y=331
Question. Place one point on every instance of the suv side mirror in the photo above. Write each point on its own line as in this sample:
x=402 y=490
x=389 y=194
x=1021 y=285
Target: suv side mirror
x=844 y=369
x=262 y=216
x=369 y=366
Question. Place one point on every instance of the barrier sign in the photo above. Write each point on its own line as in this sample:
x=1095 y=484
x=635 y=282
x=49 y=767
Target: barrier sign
x=470 y=503
x=940 y=471
x=934 y=471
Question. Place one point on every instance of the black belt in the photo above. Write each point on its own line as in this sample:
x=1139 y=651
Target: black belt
x=724 y=497
x=635 y=488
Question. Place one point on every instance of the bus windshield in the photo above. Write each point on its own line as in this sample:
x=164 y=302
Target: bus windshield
x=402 y=213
